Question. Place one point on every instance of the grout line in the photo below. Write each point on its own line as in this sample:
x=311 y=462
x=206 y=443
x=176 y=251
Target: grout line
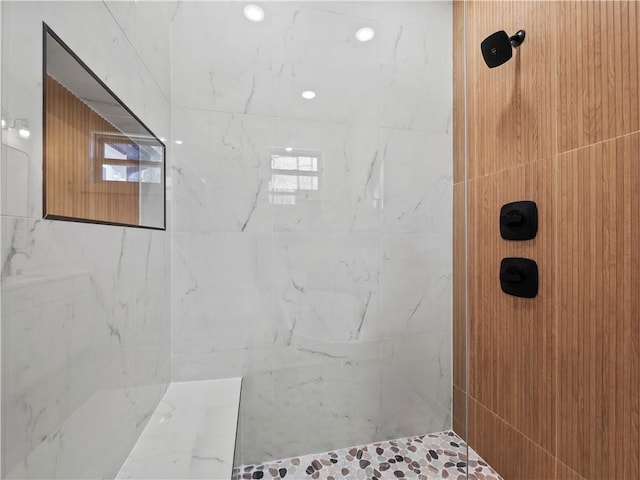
x=166 y=95
x=529 y=439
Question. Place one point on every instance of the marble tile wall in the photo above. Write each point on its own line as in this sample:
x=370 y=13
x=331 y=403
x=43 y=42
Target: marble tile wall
x=85 y=308
x=334 y=303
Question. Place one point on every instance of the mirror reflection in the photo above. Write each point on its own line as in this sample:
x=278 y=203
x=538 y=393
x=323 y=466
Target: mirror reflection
x=101 y=163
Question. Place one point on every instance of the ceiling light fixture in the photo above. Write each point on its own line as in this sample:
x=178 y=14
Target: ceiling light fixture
x=308 y=94
x=365 y=34
x=254 y=13
x=178 y=142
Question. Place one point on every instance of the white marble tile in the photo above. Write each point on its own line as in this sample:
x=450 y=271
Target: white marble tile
x=349 y=178
x=146 y=26
x=223 y=180
x=219 y=173
x=310 y=353
x=417 y=76
x=418 y=181
x=319 y=283
x=68 y=452
x=317 y=408
x=199 y=366
x=152 y=322
x=86 y=300
x=417 y=379
x=416 y=284
x=325 y=287
x=190 y=435
x=262 y=68
x=221 y=283
x=395 y=12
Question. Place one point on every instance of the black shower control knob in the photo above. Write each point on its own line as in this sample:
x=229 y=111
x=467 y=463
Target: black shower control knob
x=519 y=220
x=515 y=275
x=519 y=277
x=514 y=218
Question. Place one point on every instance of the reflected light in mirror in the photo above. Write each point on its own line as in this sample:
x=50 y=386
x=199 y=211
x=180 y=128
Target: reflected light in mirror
x=254 y=13
x=23 y=128
x=365 y=34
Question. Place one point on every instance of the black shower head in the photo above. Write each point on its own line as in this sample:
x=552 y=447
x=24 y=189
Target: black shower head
x=496 y=48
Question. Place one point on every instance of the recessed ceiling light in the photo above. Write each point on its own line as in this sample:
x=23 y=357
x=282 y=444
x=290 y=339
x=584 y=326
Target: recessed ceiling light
x=289 y=149
x=162 y=139
x=178 y=142
x=365 y=34
x=255 y=13
x=308 y=94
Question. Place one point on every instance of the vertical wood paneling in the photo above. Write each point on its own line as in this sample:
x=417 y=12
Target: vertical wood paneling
x=599 y=290
x=512 y=107
x=511 y=340
x=511 y=454
x=459 y=311
x=460 y=414
x=559 y=374
x=597 y=82
x=458 y=92
x=459 y=288
x=72 y=186
x=565 y=473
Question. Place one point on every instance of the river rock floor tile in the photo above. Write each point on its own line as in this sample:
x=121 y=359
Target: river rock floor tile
x=425 y=457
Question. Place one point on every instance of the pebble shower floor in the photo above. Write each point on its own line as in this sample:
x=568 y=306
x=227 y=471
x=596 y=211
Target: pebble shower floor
x=425 y=457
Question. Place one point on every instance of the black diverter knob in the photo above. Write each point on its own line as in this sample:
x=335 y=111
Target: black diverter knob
x=519 y=277
x=519 y=220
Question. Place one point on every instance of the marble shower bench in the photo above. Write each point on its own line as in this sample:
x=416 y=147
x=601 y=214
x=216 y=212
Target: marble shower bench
x=190 y=435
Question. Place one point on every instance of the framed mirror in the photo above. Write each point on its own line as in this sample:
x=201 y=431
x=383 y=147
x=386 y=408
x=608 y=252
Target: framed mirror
x=101 y=163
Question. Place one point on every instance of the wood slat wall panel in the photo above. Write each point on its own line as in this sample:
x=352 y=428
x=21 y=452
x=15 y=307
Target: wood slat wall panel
x=460 y=414
x=598 y=79
x=511 y=340
x=459 y=287
x=458 y=92
x=72 y=189
x=598 y=340
x=511 y=454
x=565 y=473
x=459 y=309
x=563 y=370
x=512 y=107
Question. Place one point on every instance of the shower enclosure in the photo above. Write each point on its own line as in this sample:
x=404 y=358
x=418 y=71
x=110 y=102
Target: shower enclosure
x=326 y=165
x=323 y=224
x=310 y=190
